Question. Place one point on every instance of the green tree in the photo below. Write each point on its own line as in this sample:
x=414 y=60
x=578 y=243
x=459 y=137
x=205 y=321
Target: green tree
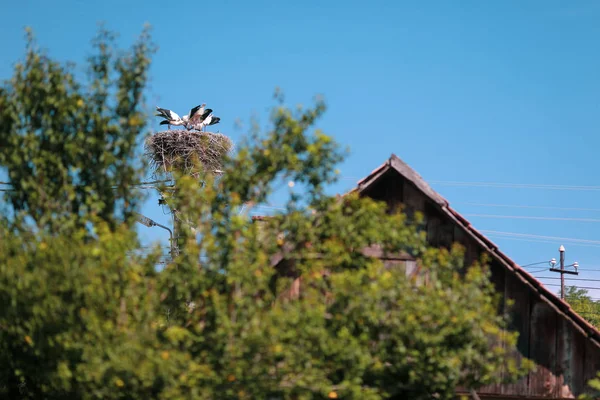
x=68 y=145
x=583 y=304
x=83 y=317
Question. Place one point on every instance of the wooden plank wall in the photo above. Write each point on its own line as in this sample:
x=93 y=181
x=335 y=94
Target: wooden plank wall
x=498 y=278
x=571 y=371
x=565 y=358
x=543 y=320
x=592 y=360
x=519 y=321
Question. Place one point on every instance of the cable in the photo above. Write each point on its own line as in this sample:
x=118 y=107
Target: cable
x=531 y=217
x=517 y=185
x=541 y=241
x=529 y=206
x=536 y=263
x=571 y=279
x=532 y=236
x=539 y=270
x=471 y=184
x=579 y=287
x=503 y=185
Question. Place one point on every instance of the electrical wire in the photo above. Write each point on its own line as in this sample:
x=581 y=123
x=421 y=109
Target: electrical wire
x=529 y=206
x=532 y=217
x=540 y=241
x=568 y=278
x=579 y=287
x=533 y=236
x=502 y=185
x=535 y=263
x=539 y=270
x=468 y=184
x=517 y=185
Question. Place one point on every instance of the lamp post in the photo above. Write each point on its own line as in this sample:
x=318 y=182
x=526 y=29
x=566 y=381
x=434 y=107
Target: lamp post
x=150 y=223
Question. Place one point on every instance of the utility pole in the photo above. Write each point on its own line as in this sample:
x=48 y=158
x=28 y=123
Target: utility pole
x=562 y=271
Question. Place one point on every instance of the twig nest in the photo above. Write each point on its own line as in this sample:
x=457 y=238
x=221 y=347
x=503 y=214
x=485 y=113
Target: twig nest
x=190 y=152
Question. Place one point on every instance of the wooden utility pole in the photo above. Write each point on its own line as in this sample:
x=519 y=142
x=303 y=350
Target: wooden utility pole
x=562 y=271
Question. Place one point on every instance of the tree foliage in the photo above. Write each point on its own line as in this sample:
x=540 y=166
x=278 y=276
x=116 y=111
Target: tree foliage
x=68 y=144
x=84 y=317
x=583 y=304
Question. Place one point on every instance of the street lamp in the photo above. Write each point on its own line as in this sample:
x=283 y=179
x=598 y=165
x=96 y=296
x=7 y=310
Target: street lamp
x=142 y=219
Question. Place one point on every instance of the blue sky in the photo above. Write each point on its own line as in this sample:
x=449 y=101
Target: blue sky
x=497 y=92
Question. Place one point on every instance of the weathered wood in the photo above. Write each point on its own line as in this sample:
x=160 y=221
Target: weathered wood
x=498 y=280
x=519 y=321
x=592 y=362
x=394 y=192
x=446 y=234
x=440 y=230
x=542 y=382
x=571 y=355
x=433 y=228
x=410 y=174
x=413 y=200
x=470 y=246
x=562 y=347
x=376 y=251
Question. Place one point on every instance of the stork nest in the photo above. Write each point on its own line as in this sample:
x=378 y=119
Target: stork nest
x=190 y=152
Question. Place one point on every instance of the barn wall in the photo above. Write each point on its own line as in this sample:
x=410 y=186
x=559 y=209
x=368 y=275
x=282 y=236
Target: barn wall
x=565 y=359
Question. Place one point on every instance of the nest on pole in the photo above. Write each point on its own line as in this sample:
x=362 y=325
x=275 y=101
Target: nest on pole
x=190 y=152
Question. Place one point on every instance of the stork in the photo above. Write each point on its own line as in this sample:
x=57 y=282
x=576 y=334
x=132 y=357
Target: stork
x=170 y=117
x=199 y=120
x=210 y=120
x=196 y=113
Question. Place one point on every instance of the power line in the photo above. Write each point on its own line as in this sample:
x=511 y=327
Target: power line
x=529 y=206
x=535 y=263
x=503 y=185
x=532 y=217
x=491 y=235
x=579 y=287
x=539 y=270
x=540 y=241
x=571 y=279
x=588 y=269
x=470 y=184
x=517 y=185
x=533 y=236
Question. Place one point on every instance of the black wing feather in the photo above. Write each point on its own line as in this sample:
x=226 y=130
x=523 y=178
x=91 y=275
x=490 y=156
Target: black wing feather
x=193 y=110
x=207 y=112
x=164 y=112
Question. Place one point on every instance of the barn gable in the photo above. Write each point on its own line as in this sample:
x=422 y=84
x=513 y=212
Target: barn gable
x=565 y=347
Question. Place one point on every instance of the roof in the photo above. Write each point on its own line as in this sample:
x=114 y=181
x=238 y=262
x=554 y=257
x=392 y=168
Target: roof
x=560 y=306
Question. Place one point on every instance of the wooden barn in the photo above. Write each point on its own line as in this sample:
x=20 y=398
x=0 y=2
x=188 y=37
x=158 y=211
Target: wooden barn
x=565 y=347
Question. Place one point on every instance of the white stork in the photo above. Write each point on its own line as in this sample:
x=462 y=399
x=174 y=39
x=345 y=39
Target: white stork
x=209 y=120
x=196 y=113
x=198 y=122
x=170 y=117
